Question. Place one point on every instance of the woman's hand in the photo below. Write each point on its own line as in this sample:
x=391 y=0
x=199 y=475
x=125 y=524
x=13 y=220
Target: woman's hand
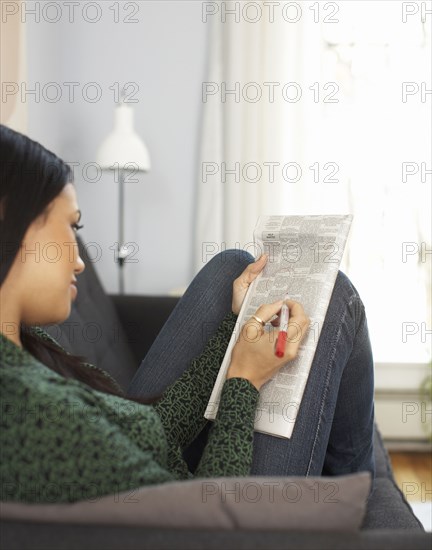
x=253 y=357
x=242 y=283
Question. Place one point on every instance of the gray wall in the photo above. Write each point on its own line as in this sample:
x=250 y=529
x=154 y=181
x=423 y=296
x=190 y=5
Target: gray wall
x=165 y=53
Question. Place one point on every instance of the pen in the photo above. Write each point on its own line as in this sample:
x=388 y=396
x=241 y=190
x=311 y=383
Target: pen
x=283 y=330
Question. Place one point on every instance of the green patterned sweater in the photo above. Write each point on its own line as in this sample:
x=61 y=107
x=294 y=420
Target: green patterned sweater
x=62 y=441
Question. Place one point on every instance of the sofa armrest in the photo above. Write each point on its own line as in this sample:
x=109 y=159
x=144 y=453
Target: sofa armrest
x=24 y=535
x=142 y=318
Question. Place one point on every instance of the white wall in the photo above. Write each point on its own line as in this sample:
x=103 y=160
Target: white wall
x=165 y=54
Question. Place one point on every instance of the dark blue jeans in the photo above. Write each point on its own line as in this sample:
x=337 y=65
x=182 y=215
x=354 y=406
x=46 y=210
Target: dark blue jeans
x=333 y=433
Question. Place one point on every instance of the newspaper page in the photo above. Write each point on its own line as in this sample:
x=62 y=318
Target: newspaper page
x=304 y=255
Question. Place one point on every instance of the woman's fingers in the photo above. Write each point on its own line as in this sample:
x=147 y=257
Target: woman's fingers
x=243 y=282
x=254 y=269
x=296 y=312
x=296 y=309
x=298 y=320
x=298 y=323
x=267 y=311
x=253 y=356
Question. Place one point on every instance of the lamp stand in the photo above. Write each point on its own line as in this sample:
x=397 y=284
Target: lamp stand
x=123 y=252
x=122 y=147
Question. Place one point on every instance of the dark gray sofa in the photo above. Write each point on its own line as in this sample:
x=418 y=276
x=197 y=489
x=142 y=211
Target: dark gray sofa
x=115 y=332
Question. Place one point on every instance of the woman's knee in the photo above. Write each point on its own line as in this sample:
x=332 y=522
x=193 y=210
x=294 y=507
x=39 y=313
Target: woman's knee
x=345 y=297
x=232 y=260
x=344 y=288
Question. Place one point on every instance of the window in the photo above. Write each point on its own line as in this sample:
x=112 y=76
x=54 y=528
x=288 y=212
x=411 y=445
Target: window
x=380 y=128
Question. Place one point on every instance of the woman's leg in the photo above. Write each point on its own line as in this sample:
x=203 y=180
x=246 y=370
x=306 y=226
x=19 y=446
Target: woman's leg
x=191 y=324
x=334 y=428
x=333 y=434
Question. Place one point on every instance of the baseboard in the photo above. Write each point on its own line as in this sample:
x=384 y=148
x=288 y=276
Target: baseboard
x=394 y=445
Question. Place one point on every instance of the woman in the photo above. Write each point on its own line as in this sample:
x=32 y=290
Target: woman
x=68 y=430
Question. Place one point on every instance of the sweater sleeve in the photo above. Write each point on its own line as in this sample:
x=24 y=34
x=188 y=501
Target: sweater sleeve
x=230 y=443
x=229 y=448
x=61 y=443
x=184 y=402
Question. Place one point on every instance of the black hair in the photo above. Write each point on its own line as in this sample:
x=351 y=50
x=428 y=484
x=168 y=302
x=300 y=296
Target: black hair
x=31 y=177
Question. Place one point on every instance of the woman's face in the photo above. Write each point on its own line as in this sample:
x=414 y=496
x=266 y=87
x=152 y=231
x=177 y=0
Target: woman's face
x=46 y=265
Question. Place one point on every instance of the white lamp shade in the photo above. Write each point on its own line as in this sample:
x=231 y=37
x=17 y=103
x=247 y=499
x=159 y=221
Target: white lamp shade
x=123 y=148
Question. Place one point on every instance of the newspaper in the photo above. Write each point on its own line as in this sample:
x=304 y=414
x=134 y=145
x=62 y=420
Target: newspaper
x=304 y=255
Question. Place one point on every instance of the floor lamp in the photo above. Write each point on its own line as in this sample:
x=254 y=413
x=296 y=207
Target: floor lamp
x=123 y=151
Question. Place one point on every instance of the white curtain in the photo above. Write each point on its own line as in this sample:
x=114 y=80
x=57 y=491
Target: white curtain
x=349 y=133
x=256 y=132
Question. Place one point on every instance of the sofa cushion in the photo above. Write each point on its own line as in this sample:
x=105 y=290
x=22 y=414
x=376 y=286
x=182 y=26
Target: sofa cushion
x=21 y=535
x=382 y=459
x=388 y=508
x=300 y=503
x=93 y=328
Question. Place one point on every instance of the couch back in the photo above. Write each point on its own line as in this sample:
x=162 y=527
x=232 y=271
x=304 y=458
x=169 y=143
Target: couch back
x=93 y=328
